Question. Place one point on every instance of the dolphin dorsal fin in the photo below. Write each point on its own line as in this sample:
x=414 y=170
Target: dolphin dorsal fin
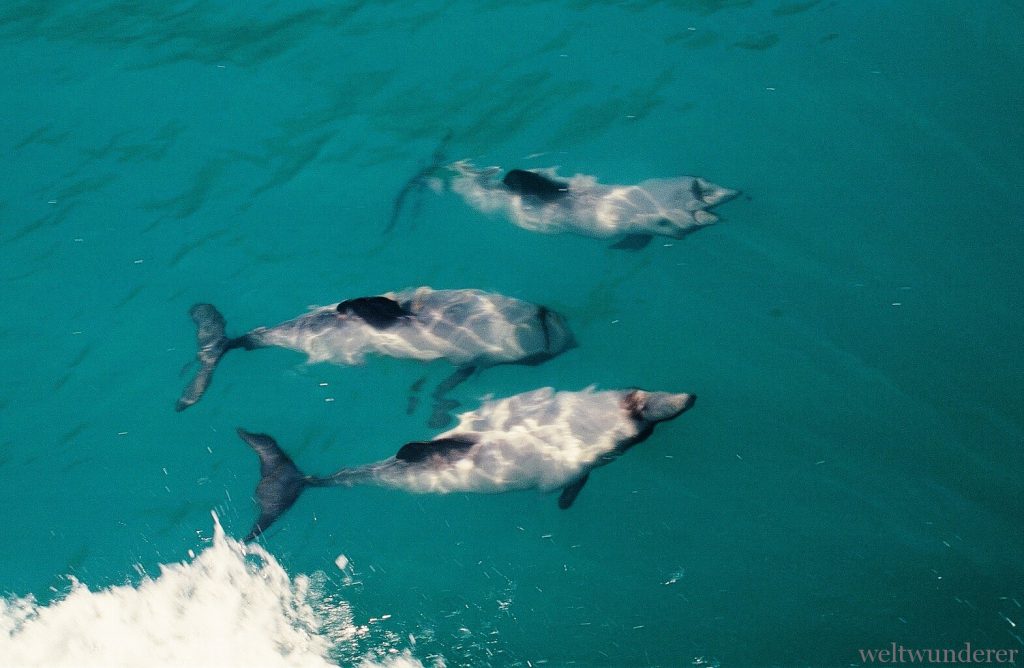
x=571 y=491
x=532 y=184
x=378 y=312
x=449 y=448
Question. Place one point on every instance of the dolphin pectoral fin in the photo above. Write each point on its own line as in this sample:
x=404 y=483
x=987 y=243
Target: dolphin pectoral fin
x=632 y=242
x=280 y=483
x=414 y=399
x=571 y=491
x=457 y=377
x=448 y=448
x=377 y=312
x=439 y=415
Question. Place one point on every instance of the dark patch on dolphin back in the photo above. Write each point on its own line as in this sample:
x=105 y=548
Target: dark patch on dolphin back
x=448 y=448
x=532 y=184
x=378 y=312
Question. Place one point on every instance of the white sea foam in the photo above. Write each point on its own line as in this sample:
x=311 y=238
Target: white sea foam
x=232 y=605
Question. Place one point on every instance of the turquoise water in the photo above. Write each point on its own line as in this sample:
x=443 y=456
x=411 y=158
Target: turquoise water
x=850 y=477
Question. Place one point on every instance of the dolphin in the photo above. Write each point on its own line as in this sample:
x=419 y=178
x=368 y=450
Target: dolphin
x=469 y=328
x=542 y=201
x=543 y=439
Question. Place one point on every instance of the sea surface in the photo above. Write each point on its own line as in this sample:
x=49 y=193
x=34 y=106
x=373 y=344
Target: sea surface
x=850 y=477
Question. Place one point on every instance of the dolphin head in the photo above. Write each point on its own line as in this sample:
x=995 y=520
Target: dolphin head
x=657 y=406
x=559 y=336
x=550 y=339
x=672 y=207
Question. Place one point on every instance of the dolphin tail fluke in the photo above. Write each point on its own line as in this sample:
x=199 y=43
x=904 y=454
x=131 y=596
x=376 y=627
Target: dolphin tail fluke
x=212 y=344
x=281 y=482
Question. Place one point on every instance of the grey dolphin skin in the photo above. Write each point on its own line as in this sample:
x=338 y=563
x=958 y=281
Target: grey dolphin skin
x=542 y=440
x=469 y=328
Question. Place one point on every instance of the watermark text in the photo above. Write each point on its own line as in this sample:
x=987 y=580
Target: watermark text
x=898 y=654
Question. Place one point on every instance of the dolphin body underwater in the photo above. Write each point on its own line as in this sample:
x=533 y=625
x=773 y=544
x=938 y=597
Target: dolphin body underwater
x=543 y=440
x=468 y=328
x=542 y=201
